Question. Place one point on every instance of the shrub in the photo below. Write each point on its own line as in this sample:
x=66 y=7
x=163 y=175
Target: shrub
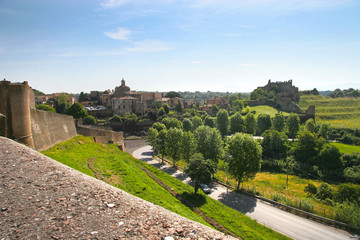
x=45 y=107
x=348 y=212
x=347 y=192
x=310 y=189
x=115 y=118
x=324 y=191
x=89 y=120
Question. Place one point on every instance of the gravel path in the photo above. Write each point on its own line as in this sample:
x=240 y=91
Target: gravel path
x=44 y=199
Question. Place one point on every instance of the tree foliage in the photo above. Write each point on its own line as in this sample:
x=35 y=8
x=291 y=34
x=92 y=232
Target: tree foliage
x=45 y=107
x=187 y=125
x=245 y=156
x=166 y=108
x=293 y=124
x=209 y=142
x=222 y=122
x=77 y=111
x=197 y=122
x=171 y=123
x=188 y=145
x=263 y=123
x=274 y=144
x=237 y=123
x=173 y=144
x=89 y=120
x=310 y=125
x=152 y=135
x=250 y=123
x=200 y=170
x=209 y=121
x=173 y=94
x=62 y=103
x=279 y=122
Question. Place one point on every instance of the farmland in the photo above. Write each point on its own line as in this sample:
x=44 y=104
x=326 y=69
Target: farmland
x=339 y=112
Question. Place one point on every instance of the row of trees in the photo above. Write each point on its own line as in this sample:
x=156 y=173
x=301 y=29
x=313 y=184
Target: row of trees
x=203 y=148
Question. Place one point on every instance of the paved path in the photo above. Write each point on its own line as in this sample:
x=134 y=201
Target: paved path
x=281 y=221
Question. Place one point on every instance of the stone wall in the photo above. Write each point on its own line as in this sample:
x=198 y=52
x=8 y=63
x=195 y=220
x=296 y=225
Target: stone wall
x=25 y=124
x=50 y=128
x=103 y=136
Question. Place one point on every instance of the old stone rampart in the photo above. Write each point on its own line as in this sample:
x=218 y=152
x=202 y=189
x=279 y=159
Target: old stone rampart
x=102 y=136
x=50 y=128
x=25 y=124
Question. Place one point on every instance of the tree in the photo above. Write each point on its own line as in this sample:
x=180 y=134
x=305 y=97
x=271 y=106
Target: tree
x=274 y=144
x=171 y=123
x=178 y=108
x=77 y=111
x=324 y=191
x=306 y=148
x=166 y=108
x=279 y=122
x=161 y=140
x=161 y=112
x=188 y=145
x=89 y=120
x=200 y=170
x=324 y=130
x=250 y=123
x=237 y=105
x=310 y=125
x=209 y=142
x=45 y=107
x=196 y=122
x=263 y=123
x=152 y=135
x=209 y=121
x=173 y=144
x=237 y=123
x=214 y=109
x=187 y=125
x=62 y=103
x=293 y=124
x=222 y=122
x=173 y=94
x=330 y=162
x=158 y=126
x=115 y=119
x=245 y=156
x=81 y=97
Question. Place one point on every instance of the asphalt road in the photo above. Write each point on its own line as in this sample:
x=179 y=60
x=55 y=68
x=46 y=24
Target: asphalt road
x=281 y=221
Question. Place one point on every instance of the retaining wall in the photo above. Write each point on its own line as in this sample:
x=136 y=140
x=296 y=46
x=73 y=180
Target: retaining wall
x=102 y=136
x=50 y=128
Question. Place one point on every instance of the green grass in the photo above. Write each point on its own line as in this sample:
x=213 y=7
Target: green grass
x=266 y=110
x=273 y=186
x=339 y=112
x=345 y=148
x=120 y=169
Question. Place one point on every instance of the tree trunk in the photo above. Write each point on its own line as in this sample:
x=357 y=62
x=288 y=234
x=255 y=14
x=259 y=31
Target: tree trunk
x=238 y=185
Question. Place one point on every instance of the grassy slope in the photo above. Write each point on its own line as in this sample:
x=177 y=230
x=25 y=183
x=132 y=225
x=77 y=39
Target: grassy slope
x=339 y=112
x=120 y=170
x=266 y=110
x=345 y=148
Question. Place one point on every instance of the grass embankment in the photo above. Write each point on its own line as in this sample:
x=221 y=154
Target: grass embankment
x=339 y=112
x=121 y=170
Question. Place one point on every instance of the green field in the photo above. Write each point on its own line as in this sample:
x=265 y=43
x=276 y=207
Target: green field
x=345 y=148
x=339 y=112
x=263 y=109
x=108 y=163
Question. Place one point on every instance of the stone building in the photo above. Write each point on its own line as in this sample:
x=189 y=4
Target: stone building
x=218 y=101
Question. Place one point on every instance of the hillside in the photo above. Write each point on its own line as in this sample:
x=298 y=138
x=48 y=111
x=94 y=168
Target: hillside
x=339 y=112
x=120 y=169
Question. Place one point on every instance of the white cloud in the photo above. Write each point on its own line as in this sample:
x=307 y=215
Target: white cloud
x=120 y=34
x=150 y=45
x=247 y=26
x=196 y=62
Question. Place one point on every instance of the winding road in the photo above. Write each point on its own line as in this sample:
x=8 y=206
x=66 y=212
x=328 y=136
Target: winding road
x=291 y=225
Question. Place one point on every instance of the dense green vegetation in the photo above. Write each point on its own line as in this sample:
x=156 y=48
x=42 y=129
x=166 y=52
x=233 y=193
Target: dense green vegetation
x=108 y=163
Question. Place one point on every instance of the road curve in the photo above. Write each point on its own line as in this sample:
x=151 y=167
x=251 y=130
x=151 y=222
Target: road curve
x=291 y=225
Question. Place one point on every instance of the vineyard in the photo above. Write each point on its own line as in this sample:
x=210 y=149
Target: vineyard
x=339 y=112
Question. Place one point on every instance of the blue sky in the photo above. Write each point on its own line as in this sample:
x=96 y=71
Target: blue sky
x=181 y=45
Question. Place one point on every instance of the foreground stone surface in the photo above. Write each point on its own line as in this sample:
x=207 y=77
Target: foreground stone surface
x=44 y=199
